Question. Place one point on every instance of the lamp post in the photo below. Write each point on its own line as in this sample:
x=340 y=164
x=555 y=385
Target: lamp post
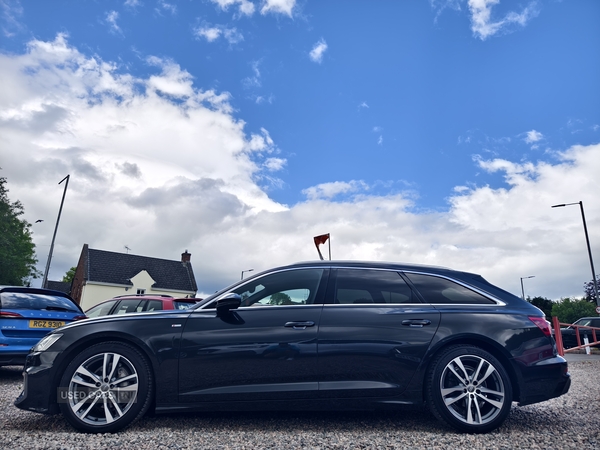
x=587 y=240
x=523 y=290
x=244 y=271
x=45 y=279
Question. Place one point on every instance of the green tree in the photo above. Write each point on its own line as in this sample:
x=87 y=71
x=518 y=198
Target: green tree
x=68 y=278
x=545 y=304
x=280 y=298
x=17 y=250
x=588 y=289
x=568 y=310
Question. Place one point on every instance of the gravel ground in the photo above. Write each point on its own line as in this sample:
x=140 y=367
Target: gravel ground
x=570 y=421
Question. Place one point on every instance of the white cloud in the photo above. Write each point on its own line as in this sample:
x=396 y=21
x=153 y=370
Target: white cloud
x=285 y=7
x=333 y=189
x=274 y=164
x=209 y=33
x=533 y=136
x=212 y=33
x=482 y=24
x=316 y=54
x=162 y=166
x=363 y=105
x=253 y=81
x=245 y=7
x=132 y=3
x=169 y=7
x=111 y=18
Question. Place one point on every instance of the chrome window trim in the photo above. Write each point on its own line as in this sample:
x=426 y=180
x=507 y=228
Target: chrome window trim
x=387 y=305
x=497 y=302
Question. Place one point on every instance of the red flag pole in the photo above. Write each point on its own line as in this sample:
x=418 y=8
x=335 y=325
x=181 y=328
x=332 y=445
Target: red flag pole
x=329 y=240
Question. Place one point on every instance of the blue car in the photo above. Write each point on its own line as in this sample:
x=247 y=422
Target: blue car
x=27 y=315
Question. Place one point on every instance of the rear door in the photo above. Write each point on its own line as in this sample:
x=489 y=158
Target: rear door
x=373 y=335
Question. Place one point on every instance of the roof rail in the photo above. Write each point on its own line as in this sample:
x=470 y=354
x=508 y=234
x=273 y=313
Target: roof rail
x=144 y=295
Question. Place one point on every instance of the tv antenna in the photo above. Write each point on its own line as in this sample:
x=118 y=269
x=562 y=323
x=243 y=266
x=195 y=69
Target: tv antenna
x=127 y=249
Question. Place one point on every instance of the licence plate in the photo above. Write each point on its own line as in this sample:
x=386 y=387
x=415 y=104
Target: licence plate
x=45 y=323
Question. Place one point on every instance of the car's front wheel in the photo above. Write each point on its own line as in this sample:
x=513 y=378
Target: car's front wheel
x=105 y=388
x=469 y=389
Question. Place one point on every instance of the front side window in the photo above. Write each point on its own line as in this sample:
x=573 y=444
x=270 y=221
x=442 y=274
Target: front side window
x=286 y=288
x=363 y=286
x=441 y=290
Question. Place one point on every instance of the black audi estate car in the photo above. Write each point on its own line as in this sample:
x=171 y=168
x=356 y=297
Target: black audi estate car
x=326 y=335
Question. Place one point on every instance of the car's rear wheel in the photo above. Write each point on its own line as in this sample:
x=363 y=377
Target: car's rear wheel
x=105 y=388
x=469 y=389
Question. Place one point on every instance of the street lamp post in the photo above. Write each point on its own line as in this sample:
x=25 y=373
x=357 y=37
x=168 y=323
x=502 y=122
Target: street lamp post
x=244 y=271
x=523 y=290
x=587 y=240
x=45 y=279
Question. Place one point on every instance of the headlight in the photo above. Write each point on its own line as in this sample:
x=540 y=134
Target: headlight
x=46 y=342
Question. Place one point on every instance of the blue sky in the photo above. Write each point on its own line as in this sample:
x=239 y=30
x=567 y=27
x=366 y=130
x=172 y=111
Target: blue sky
x=435 y=132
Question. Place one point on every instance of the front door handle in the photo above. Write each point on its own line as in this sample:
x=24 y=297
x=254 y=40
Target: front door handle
x=416 y=323
x=300 y=325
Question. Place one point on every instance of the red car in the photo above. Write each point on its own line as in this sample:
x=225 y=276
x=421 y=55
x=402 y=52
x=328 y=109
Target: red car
x=139 y=303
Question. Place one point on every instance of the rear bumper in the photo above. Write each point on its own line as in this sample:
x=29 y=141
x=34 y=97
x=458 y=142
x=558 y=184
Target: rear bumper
x=547 y=379
x=13 y=358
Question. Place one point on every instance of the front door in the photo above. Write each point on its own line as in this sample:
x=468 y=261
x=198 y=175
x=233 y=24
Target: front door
x=265 y=349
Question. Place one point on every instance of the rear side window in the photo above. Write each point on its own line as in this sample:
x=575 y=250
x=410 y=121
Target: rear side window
x=154 y=305
x=362 y=286
x=441 y=290
x=100 y=310
x=24 y=300
x=182 y=305
x=129 y=306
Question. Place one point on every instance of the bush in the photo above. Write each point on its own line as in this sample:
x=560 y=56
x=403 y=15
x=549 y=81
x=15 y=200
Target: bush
x=569 y=310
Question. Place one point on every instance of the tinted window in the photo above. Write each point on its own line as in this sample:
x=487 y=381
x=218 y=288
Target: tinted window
x=23 y=300
x=100 y=310
x=440 y=290
x=130 y=306
x=356 y=286
x=291 y=287
x=154 y=305
x=182 y=305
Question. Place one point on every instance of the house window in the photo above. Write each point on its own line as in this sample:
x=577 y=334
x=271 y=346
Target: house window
x=141 y=291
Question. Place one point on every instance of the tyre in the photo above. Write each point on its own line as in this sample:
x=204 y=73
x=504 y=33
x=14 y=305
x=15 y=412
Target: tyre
x=468 y=389
x=105 y=388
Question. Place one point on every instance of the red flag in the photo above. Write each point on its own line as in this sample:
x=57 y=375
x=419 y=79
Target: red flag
x=321 y=239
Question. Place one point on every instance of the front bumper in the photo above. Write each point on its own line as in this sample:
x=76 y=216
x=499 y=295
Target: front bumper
x=39 y=389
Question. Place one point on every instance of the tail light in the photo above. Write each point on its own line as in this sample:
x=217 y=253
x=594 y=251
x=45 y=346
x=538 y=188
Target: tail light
x=9 y=315
x=542 y=324
x=80 y=317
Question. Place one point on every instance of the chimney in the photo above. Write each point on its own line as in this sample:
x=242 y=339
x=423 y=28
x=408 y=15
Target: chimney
x=185 y=256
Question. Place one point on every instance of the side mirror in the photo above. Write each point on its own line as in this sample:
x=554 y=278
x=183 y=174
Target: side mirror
x=227 y=303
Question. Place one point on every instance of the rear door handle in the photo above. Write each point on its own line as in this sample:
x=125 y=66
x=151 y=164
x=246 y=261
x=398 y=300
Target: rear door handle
x=416 y=323
x=299 y=325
